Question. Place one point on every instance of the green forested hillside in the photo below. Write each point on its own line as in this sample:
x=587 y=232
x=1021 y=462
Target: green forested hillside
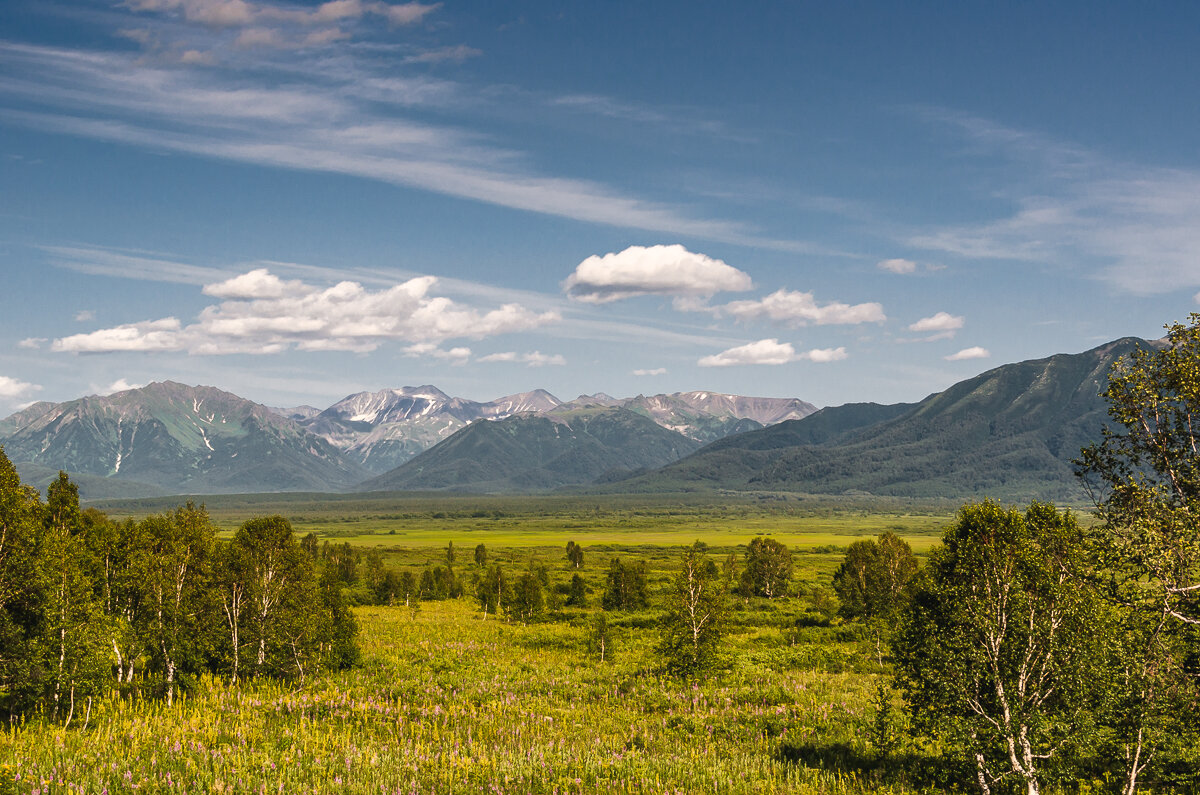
x=530 y=453
x=1009 y=432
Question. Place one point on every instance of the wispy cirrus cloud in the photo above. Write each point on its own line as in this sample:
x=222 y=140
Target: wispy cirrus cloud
x=530 y=359
x=261 y=314
x=897 y=265
x=349 y=117
x=1134 y=226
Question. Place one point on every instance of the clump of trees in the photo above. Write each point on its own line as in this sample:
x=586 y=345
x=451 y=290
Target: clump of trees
x=87 y=603
x=625 y=586
x=1001 y=650
x=873 y=579
x=768 y=570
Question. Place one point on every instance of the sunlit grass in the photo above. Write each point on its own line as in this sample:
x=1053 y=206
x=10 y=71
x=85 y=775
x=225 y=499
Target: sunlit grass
x=446 y=702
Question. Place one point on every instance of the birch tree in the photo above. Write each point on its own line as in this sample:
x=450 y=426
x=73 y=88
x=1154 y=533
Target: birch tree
x=999 y=651
x=697 y=607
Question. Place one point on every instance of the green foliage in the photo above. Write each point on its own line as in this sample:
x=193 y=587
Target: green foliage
x=481 y=555
x=873 y=580
x=768 y=569
x=577 y=592
x=527 y=602
x=1001 y=650
x=575 y=555
x=1145 y=474
x=1145 y=479
x=697 y=607
x=88 y=605
x=493 y=591
x=625 y=586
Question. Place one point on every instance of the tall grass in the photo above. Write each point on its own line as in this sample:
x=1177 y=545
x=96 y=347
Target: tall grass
x=446 y=702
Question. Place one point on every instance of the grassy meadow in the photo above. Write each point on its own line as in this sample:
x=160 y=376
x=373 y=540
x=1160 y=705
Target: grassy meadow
x=446 y=701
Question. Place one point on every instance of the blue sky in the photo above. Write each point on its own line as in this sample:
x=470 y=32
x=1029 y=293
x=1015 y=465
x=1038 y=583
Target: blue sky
x=832 y=201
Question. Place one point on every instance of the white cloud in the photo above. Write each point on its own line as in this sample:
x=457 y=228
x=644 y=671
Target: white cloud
x=237 y=13
x=654 y=270
x=346 y=120
x=32 y=343
x=942 y=321
x=769 y=351
x=897 y=265
x=149 y=335
x=120 y=385
x=258 y=283
x=824 y=354
x=84 y=315
x=12 y=388
x=969 y=353
x=795 y=308
x=539 y=359
x=458 y=355
x=655 y=371
x=267 y=315
x=531 y=359
x=1137 y=227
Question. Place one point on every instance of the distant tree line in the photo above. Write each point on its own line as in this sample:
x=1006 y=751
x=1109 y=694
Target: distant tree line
x=88 y=603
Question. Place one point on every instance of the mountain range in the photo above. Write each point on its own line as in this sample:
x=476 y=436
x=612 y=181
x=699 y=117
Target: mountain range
x=1009 y=432
x=172 y=438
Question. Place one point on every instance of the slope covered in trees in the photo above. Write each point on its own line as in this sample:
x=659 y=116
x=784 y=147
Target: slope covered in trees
x=1011 y=431
x=537 y=452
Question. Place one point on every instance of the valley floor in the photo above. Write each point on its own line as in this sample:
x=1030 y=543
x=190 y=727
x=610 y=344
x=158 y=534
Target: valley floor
x=447 y=702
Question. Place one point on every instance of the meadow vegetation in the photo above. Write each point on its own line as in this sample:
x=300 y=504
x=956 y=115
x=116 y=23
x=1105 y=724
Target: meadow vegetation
x=760 y=643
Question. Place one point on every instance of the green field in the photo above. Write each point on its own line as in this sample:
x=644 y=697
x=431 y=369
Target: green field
x=406 y=521
x=448 y=701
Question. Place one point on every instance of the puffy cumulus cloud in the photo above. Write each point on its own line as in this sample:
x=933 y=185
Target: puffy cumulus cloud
x=84 y=315
x=258 y=283
x=12 y=388
x=262 y=314
x=655 y=371
x=531 y=359
x=897 y=265
x=795 y=308
x=942 y=321
x=769 y=351
x=32 y=343
x=652 y=270
x=975 y=352
x=824 y=354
